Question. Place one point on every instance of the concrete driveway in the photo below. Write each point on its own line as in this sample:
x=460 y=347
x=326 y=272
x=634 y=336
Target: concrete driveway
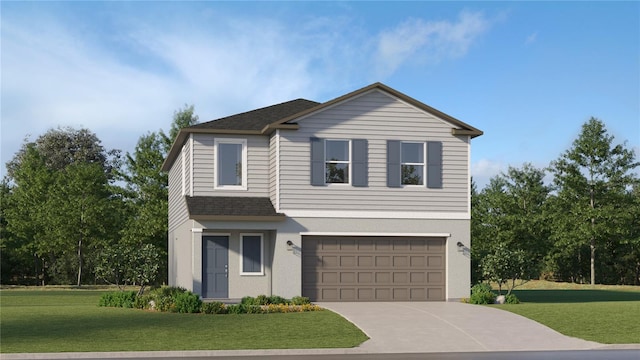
x=407 y=327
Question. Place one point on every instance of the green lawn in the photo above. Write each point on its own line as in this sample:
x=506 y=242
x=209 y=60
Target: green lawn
x=606 y=315
x=70 y=320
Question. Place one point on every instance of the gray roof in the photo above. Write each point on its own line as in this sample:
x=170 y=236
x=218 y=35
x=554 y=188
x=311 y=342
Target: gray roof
x=259 y=118
x=230 y=208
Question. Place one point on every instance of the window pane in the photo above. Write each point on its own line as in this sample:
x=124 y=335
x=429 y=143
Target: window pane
x=412 y=174
x=251 y=259
x=337 y=173
x=412 y=153
x=337 y=150
x=229 y=164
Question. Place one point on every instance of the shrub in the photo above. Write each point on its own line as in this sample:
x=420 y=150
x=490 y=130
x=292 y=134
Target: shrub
x=275 y=299
x=482 y=294
x=213 y=308
x=512 y=299
x=164 y=297
x=123 y=299
x=142 y=302
x=236 y=309
x=300 y=300
x=188 y=303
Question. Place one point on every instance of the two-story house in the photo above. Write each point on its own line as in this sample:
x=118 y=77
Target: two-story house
x=362 y=198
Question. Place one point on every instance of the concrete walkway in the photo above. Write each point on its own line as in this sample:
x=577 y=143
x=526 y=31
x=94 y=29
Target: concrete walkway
x=406 y=327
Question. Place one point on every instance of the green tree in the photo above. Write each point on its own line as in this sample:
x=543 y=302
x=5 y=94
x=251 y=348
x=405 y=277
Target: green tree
x=79 y=210
x=509 y=214
x=592 y=179
x=59 y=185
x=505 y=266
x=147 y=187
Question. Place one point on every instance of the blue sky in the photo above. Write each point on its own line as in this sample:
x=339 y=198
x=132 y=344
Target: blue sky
x=528 y=74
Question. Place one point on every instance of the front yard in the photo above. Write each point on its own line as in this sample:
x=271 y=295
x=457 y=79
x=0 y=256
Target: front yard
x=70 y=321
x=600 y=313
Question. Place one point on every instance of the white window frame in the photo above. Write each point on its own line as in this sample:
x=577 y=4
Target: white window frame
x=242 y=272
x=242 y=142
x=348 y=162
x=423 y=163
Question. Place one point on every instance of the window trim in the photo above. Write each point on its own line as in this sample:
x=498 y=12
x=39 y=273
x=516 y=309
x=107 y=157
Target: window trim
x=348 y=162
x=243 y=143
x=242 y=272
x=423 y=164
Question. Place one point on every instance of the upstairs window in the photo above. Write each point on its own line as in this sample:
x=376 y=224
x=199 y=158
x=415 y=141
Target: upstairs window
x=336 y=161
x=339 y=162
x=231 y=164
x=412 y=163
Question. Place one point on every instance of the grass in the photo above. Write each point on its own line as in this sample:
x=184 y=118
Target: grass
x=601 y=313
x=70 y=321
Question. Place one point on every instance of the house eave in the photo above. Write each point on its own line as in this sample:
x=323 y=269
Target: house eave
x=466 y=132
x=242 y=218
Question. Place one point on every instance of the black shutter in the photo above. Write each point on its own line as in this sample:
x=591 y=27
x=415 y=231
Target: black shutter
x=434 y=164
x=317 y=162
x=393 y=163
x=359 y=171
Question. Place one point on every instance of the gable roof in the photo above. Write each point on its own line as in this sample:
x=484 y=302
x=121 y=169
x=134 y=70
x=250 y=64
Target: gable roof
x=461 y=128
x=257 y=120
x=232 y=208
x=265 y=120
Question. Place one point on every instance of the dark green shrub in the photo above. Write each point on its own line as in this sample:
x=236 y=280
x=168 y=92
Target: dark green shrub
x=236 y=309
x=164 y=298
x=512 y=299
x=482 y=294
x=213 y=308
x=249 y=300
x=300 y=300
x=188 y=303
x=277 y=300
x=123 y=299
x=252 y=309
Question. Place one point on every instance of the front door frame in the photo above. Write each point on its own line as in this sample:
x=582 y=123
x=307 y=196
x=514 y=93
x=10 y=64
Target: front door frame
x=219 y=269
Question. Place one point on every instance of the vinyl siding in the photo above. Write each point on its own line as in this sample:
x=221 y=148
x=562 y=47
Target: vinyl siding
x=204 y=163
x=377 y=117
x=177 y=205
x=273 y=172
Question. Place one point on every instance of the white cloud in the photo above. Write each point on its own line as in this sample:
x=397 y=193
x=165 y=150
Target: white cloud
x=126 y=79
x=484 y=169
x=431 y=41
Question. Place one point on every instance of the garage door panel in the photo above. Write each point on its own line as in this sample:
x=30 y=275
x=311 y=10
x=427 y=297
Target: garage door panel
x=373 y=268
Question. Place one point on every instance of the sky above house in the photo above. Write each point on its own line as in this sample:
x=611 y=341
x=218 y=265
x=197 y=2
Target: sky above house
x=528 y=74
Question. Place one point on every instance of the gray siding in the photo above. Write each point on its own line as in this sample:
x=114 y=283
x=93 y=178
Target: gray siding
x=273 y=162
x=177 y=205
x=377 y=117
x=204 y=162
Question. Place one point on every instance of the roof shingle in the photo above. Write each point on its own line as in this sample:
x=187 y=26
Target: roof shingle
x=210 y=207
x=259 y=118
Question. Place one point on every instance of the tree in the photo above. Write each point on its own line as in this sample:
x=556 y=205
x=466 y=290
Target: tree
x=79 y=209
x=505 y=266
x=59 y=190
x=591 y=179
x=509 y=218
x=147 y=187
x=181 y=118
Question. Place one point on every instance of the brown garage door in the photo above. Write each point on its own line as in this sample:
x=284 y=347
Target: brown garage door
x=373 y=268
